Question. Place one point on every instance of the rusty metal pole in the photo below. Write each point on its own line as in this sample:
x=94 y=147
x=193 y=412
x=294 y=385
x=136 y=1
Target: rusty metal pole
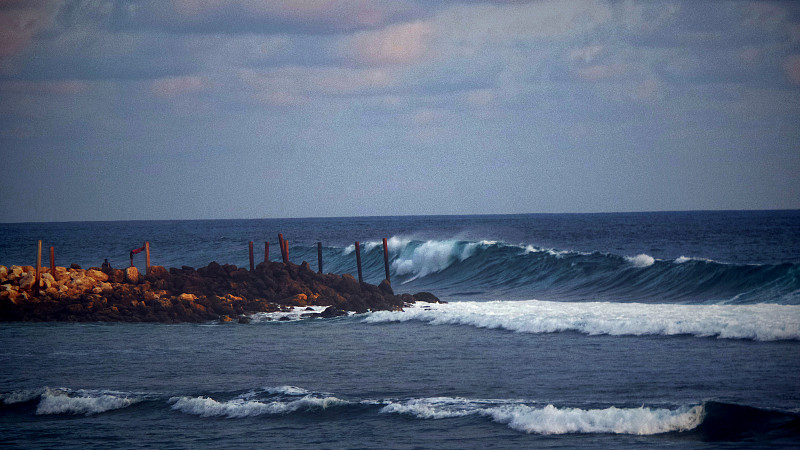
x=266 y=251
x=319 y=256
x=53 y=262
x=250 y=248
x=38 y=267
x=147 y=258
x=386 y=259
x=358 y=262
x=285 y=251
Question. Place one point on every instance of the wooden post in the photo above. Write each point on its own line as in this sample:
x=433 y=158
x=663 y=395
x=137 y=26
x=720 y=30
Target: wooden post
x=250 y=246
x=358 y=262
x=285 y=251
x=147 y=258
x=266 y=251
x=38 y=267
x=53 y=262
x=386 y=259
x=319 y=256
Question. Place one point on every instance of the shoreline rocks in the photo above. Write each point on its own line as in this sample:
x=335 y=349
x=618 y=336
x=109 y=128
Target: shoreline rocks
x=214 y=292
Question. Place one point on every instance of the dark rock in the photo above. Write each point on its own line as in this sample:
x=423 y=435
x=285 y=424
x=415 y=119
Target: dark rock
x=386 y=288
x=284 y=319
x=332 y=311
x=244 y=319
x=426 y=297
x=158 y=273
x=74 y=266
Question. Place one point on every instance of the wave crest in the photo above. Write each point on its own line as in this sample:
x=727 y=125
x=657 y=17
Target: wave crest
x=763 y=322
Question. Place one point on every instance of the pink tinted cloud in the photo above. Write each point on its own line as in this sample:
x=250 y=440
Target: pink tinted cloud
x=601 y=72
x=175 y=86
x=19 y=25
x=791 y=66
x=397 y=44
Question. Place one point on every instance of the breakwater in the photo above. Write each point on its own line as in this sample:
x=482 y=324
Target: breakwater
x=215 y=292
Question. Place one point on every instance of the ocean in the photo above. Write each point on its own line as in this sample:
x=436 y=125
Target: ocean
x=667 y=329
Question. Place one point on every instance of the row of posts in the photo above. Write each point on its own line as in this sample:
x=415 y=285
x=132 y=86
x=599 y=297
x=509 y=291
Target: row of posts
x=284 y=245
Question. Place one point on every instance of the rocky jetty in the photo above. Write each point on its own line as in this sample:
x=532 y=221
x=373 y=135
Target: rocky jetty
x=215 y=292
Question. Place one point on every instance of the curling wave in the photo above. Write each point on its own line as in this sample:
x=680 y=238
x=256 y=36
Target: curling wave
x=457 y=269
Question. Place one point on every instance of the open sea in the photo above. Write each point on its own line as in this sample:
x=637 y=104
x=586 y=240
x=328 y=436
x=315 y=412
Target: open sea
x=624 y=330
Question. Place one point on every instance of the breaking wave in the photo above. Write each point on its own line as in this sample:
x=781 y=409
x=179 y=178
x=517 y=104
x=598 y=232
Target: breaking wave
x=458 y=269
x=279 y=400
x=552 y=420
x=762 y=322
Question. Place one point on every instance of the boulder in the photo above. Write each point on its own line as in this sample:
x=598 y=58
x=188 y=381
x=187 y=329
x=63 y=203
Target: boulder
x=3 y=272
x=386 y=288
x=48 y=280
x=187 y=297
x=74 y=266
x=158 y=273
x=115 y=276
x=132 y=275
x=14 y=273
x=27 y=281
x=97 y=275
x=426 y=297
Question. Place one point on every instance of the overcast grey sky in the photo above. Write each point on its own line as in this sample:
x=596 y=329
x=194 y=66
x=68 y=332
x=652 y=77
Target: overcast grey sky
x=188 y=109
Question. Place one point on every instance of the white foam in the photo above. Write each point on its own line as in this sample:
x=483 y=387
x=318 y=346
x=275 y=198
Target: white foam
x=287 y=390
x=764 y=322
x=524 y=417
x=552 y=420
x=294 y=314
x=432 y=257
x=641 y=260
x=240 y=407
x=63 y=401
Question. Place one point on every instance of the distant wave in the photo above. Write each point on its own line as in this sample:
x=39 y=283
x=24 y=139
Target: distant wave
x=552 y=420
x=762 y=322
x=459 y=268
x=68 y=401
x=707 y=421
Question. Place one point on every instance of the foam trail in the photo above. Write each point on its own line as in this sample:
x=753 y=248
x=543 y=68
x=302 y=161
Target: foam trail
x=63 y=401
x=552 y=420
x=239 y=407
x=763 y=322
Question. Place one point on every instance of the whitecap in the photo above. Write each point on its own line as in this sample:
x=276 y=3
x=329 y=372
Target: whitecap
x=64 y=401
x=240 y=407
x=763 y=322
x=641 y=260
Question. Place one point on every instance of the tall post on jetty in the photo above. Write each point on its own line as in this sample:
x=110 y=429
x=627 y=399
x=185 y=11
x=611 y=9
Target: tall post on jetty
x=386 y=259
x=358 y=262
x=38 y=267
x=147 y=258
x=250 y=247
x=266 y=251
x=319 y=256
x=52 y=261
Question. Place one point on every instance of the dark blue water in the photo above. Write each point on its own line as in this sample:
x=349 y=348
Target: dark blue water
x=630 y=330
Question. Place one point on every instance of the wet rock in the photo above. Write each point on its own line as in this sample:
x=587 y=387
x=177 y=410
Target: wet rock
x=332 y=311
x=426 y=297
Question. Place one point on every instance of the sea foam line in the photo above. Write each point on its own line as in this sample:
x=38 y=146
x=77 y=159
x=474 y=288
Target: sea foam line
x=762 y=322
x=87 y=402
x=552 y=420
x=241 y=407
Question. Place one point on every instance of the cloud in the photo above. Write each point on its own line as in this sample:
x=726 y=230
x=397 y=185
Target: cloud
x=176 y=86
x=791 y=67
x=269 y=17
x=292 y=86
x=600 y=72
x=44 y=87
x=397 y=44
x=20 y=21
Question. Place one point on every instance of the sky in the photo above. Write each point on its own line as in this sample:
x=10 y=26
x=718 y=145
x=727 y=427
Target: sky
x=207 y=109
